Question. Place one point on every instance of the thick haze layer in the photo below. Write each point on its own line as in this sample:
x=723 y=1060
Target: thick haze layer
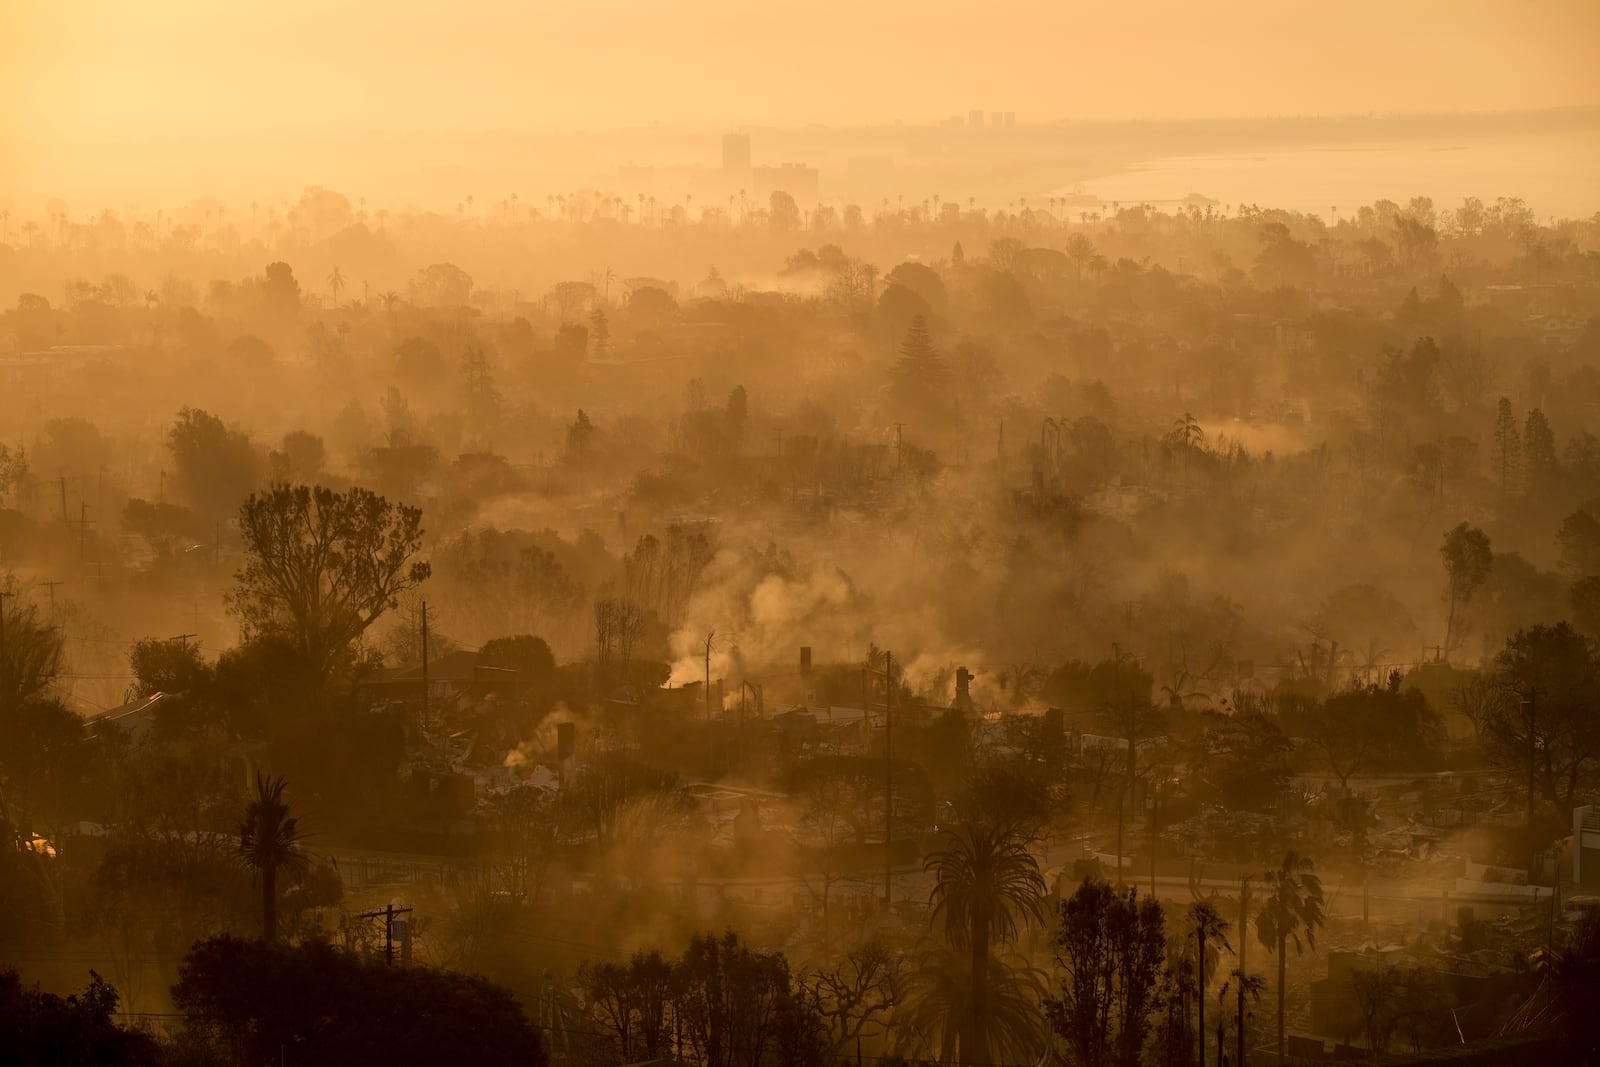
x=193 y=98
x=583 y=532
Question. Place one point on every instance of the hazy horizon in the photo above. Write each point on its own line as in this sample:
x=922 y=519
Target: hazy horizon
x=1549 y=157
x=497 y=65
x=196 y=101
x=804 y=534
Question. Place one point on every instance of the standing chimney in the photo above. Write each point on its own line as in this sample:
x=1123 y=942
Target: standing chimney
x=1054 y=723
x=805 y=659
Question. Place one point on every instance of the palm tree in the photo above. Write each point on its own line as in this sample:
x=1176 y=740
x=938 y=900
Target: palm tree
x=1209 y=926
x=1293 y=905
x=1241 y=984
x=336 y=283
x=1187 y=432
x=942 y=1002
x=269 y=841
x=986 y=886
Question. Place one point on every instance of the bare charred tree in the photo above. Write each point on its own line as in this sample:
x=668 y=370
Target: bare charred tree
x=1467 y=561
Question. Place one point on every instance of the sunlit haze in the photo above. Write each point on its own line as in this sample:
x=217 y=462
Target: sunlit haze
x=799 y=533
x=199 y=93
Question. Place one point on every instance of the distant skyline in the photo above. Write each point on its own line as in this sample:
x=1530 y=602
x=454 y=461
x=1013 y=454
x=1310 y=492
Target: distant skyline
x=161 y=102
x=80 y=71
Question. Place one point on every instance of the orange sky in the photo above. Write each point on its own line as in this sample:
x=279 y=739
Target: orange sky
x=77 y=70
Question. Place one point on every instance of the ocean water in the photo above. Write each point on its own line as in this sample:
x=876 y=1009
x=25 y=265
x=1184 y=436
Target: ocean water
x=1557 y=175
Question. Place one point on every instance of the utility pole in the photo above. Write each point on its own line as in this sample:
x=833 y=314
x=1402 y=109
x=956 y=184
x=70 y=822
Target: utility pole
x=387 y=915
x=888 y=778
x=51 y=586
x=1244 y=916
x=1550 y=937
x=1125 y=791
x=1000 y=452
x=83 y=532
x=3 y=688
x=62 y=481
x=1155 y=814
x=1531 y=704
x=183 y=638
x=425 y=694
x=711 y=751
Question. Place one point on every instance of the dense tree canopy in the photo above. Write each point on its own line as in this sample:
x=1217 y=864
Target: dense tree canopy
x=315 y=1004
x=323 y=565
x=78 y=1030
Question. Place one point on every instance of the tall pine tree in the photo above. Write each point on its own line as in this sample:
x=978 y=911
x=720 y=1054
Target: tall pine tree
x=1538 y=452
x=920 y=375
x=1507 y=448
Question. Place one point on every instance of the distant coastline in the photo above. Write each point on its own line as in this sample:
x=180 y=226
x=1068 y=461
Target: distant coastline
x=1556 y=173
x=1550 y=158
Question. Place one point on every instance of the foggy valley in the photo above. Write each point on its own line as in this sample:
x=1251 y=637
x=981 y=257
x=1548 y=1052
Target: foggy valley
x=1086 y=584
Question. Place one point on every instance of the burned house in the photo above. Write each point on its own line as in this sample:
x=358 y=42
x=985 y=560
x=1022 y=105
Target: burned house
x=454 y=679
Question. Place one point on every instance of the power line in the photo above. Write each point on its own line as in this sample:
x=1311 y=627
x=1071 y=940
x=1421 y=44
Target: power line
x=387 y=915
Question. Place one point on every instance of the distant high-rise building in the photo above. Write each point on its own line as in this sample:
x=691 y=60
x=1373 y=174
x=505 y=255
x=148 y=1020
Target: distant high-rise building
x=1011 y=120
x=975 y=117
x=736 y=151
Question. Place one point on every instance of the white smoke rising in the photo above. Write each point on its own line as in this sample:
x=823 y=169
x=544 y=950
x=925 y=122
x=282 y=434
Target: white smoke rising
x=766 y=615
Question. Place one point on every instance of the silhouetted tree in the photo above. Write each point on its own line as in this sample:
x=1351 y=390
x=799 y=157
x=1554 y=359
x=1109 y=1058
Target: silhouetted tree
x=920 y=375
x=1546 y=732
x=1467 y=561
x=322 y=566
x=269 y=842
x=79 y=1030
x=31 y=657
x=1293 y=905
x=1507 y=448
x=215 y=467
x=1364 y=726
x=1539 y=452
x=987 y=885
x=280 y=291
x=1110 y=947
x=258 y=1003
x=1211 y=938
x=634 y=1002
x=166 y=666
x=858 y=992
x=784 y=213
x=600 y=333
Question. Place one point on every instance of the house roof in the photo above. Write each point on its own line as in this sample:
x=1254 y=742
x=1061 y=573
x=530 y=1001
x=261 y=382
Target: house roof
x=136 y=715
x=456 y=666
